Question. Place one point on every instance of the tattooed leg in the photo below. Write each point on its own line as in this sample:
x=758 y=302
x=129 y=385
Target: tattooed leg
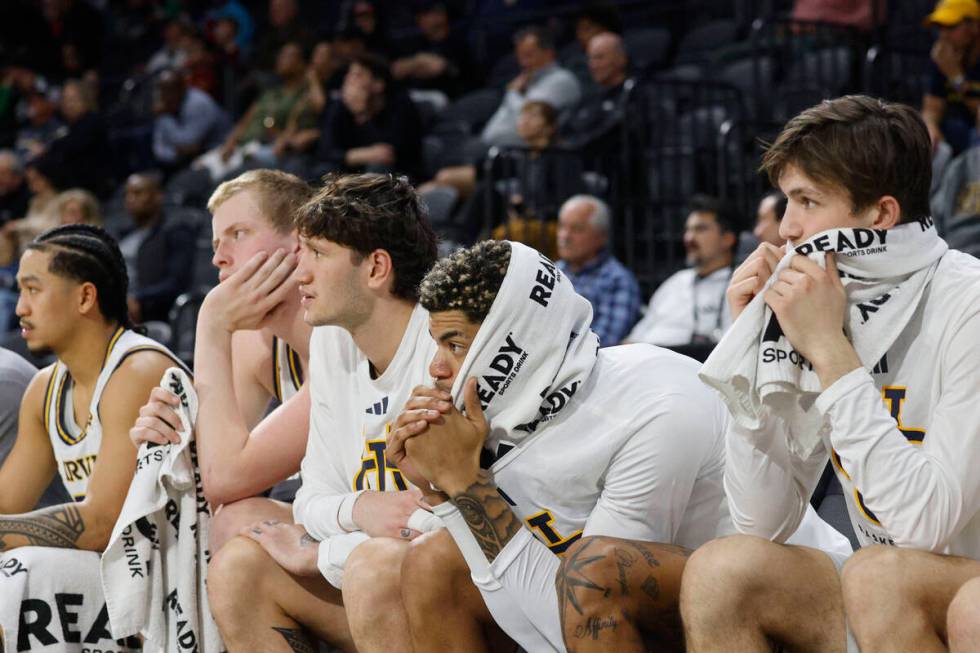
x=621 y=595
x=57 y=526
x=297 y=640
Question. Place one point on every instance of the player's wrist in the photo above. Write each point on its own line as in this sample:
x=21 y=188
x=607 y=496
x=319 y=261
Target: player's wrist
x=834 y=361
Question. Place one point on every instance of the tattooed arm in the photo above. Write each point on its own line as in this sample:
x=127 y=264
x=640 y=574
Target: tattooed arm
x=57 y=526
x=489 y=517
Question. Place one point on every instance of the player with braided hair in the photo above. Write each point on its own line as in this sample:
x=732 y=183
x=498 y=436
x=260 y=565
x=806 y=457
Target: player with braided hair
x=76 y=413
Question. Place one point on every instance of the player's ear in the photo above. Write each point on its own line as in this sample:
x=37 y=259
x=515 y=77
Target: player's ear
x=889 y=213
x=381 y=269
x=88 y=298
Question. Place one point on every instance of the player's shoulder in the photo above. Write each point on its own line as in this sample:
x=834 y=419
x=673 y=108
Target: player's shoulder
x=37 y=387
x=955 y=286
x=641 y=374
x=333 y=344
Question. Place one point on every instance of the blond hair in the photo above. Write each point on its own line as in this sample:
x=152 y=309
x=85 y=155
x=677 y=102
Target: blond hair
x=91 y=212
x=279 y=195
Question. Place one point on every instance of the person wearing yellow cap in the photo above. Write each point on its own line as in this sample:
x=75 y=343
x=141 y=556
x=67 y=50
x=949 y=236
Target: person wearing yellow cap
x=950 y=105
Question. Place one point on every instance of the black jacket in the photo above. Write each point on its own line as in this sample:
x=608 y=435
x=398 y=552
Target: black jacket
x=164 y=267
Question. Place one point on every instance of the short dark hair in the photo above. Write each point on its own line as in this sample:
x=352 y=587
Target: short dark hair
x=544 y=36
x=779 y=208
x=726 y=215
x=867 y=147
x=88 y=254
x=468 y=280
x=375 y=64
x=367 y=212
x=602 y=13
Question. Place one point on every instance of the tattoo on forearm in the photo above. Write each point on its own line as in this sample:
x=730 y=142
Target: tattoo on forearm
x=571 y=576
x=489 y=517
x=297 y=639
x=58 y=526
x=307 y=540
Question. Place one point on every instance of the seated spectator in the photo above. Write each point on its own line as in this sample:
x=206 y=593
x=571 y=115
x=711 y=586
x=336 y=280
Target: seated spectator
x=540 y=79
x=768 y=216
x=950 y=104
x=43 y=124
x=14 y=194
x=373 y=127
x=77 y=206
x=583 y=250
x=438 y=58
x=594 y=125
x=172 y=54
x=16 y=234
x=689 y=307
x=158 y=251
x=79 y=158
x=366 y=20
x=594 y=19
x=188 y=121
x=286 y=25
x=252 y=138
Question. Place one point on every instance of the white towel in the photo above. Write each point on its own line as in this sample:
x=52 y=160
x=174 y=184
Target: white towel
x=533 y=350
x=884 y=272
x=51 y=602
x=155 y=567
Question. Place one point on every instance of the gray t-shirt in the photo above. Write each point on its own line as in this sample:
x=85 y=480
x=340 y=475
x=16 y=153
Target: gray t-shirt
x=15 y=374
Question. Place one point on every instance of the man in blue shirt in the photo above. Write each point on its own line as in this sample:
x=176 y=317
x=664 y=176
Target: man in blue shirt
x=583 y=237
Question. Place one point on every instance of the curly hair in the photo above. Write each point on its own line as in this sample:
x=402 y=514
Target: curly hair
x=468 y=280
x=368 y=212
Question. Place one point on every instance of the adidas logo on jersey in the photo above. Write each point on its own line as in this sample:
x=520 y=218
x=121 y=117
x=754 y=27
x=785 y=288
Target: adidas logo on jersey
x=379 y=407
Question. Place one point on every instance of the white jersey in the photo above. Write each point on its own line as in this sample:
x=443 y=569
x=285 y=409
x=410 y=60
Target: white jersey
x=639 y=455
x=77 y=447
x=904 y=435
x=350 y=416
x=287 y=370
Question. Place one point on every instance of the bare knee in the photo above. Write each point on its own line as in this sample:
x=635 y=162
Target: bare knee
x=235 y=574
x=875 y=583
x=431 y=571
x=963 y=618
x=372 y=572
x=724 y=572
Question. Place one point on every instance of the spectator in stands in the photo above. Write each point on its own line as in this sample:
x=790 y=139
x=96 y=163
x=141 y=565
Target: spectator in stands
x=14 y=194
x=594 y=19
x=252 y=138
x=77 y=29
x=43 y=124
x=77 y=206
x=172 y=54
x=438 y=58
x=366 y=20
x=80 y=156
x=540 y=79
x=188 y=121
x=374 y=127
x=689 y=307
x=768 y=216
x=158 y=251
x=16 y=234
x=950 y=105
x=583 y=250
x=286 y=25
x=594 y=125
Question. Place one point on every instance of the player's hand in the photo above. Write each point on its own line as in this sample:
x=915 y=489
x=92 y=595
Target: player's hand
x=158 y=421
x=426 y=404
x=247 y=297
x=751 y=276
x=447 y=452
x=386 y=514
x=288 y=544
x=809 y=303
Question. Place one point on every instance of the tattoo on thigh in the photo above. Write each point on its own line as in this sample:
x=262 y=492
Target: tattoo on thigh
x=571 y=576
x=652 y=561
x=297 y=639
x=58 y=526
x=651 y=588
x=593 y=627
x=624 y=560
